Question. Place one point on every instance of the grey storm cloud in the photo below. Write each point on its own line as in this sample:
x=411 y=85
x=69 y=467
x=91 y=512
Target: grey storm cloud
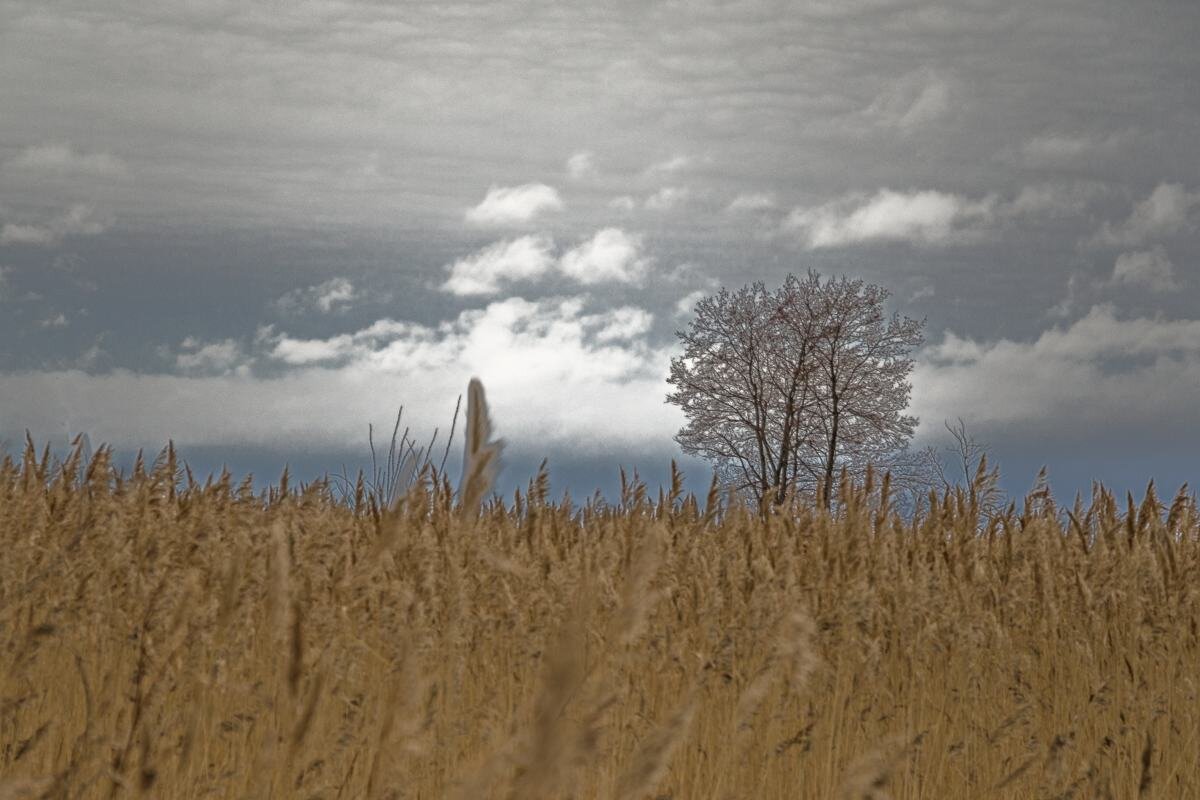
x=357 y=112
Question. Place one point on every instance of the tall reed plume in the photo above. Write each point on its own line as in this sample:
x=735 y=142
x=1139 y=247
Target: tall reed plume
x=481 y=455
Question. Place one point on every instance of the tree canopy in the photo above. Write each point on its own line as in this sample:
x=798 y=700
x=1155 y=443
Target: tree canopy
x=783 y=389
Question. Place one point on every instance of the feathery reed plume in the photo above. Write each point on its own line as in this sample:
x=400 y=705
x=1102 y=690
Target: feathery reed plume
x=1146 y=779
x=26 y=789
x=869 y=775
x=278 y=588
x=1178 y=509
x=481 y=455
x=676 y=486
x=791 y=658
x=637 y=598
x=650 y=762
x=796 y=647
x=712 y=503
x=548 y=754
x=309 y=710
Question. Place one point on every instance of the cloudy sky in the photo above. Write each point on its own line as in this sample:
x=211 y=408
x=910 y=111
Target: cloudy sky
x=255 y=228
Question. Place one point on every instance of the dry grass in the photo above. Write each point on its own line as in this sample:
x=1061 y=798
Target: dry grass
x=186 y=640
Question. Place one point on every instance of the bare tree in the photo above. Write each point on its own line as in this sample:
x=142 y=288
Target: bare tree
x=914 y=474
x=862 y=370
x=743 y=382
x=969 y=457
x=784 y=389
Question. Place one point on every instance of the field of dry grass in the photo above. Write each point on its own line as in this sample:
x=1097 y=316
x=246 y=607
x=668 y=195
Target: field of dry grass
x=164 y=638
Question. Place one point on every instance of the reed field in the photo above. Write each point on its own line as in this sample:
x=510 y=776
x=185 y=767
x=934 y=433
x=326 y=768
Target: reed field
x=167 y=637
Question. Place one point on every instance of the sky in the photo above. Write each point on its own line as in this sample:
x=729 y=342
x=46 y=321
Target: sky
x=255 y=229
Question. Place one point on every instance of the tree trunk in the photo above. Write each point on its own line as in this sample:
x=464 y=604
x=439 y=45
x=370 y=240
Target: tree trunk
x=831 y=455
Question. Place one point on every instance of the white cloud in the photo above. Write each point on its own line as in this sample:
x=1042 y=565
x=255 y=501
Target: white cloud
x=61 y=158
x=582 y=165
x=1052 y=199
x=675 y=163
x=299 y=352
x=208 y=357
x=338 y=292
x=1122 y=373
x=922 y=293
x=482 y=272
x=556 y=376
x=92 y=356
x=1150 y=268
x=625 y=324
x=610 y=255
x=1075 y=291
x=928 y=217
x=1168 y=209
x=78 y=220
x=920 y=217
x=57 y=320
x=689 y=273
x=913 y=100
x=622 y=203
x=939 y=217
x=335 y=294
x=1057 y=148
x=668 y=198
x=479 y=336
x=687 y=304
x=15 y=233
x=514 y=205
x=753 y=201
